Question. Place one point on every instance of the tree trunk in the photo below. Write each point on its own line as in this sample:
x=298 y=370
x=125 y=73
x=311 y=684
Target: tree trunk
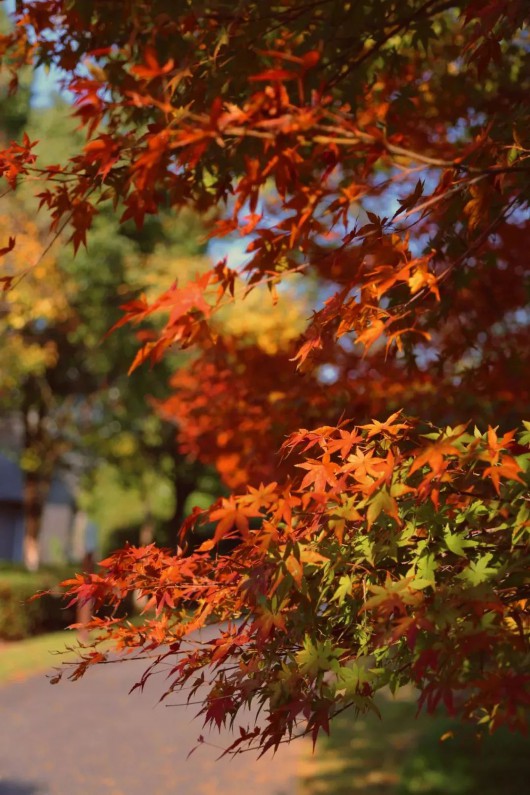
x=31 y=553
x=34 y=497
x=40 y=448
x=147 y=530
x=184 y=483
x=84 y=610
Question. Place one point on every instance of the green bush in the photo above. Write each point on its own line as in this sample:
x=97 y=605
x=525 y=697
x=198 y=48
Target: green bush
x=21 y=618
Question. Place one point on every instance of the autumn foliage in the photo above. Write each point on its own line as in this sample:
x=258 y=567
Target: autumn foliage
x=375 y=158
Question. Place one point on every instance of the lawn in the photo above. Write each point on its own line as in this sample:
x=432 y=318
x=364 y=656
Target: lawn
x=40 y=654
x=19 y=659
x=402 y=755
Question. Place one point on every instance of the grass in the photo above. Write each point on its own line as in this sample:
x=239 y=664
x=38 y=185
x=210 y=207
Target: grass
x=19 y=659
x=42 y=653
x=402 y=755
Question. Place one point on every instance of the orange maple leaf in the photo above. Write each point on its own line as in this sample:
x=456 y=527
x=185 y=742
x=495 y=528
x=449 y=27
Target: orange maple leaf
x=376 y=427
x=508 y=468
x=231 y=515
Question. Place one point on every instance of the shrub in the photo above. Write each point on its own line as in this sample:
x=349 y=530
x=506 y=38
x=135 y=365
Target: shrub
x=21 y=618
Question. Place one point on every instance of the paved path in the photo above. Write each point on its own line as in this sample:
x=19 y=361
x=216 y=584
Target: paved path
x=92 y=738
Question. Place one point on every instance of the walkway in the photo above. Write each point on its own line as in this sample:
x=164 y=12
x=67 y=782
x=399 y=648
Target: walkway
x=92 y=738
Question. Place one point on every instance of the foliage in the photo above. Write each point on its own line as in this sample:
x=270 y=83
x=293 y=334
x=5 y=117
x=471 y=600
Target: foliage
x=379 y=152
x=393 y=558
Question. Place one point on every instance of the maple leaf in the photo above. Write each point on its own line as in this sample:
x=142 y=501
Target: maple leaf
x=261 y=497
x=317 y=656
x=434 y=455
x=387 y=427
x=314 y=343
x=496 y=445
x=103 y=150
x=286 y=504
x=421 y=277
x=344 y=444
x=295 y=569
x=372 y=333
x=183 y=300
x=218 y=709
x=365 y=466
x=232 y=514
x=151 y=67
x=508 y=468
x=382 y=502
x=411 y=200
x=320 y=473
x=309 y=438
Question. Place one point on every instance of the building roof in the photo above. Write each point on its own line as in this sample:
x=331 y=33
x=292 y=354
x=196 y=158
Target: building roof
x=12 y=482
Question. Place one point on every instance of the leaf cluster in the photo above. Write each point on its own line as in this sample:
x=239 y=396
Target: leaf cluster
x=398 y=557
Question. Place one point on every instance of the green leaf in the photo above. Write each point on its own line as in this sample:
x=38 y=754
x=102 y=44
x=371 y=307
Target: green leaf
x=523 y=461
x=457 y=543
x=351 y=677
x=382 y=502
x=316 y=657
x=522 y=524
x=479 y=570
x=344 y=589
x=425 y=568
x=524 y=438
x=420 y=583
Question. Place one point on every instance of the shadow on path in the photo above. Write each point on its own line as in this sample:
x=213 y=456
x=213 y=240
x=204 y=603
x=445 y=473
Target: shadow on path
x=402 y=755
x=9 y=787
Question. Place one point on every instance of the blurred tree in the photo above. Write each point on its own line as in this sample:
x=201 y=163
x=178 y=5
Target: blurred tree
x=14 y=107
x=77 y=405
x=34 y=328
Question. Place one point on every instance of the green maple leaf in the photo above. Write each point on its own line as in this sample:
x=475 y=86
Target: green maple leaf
x=457 y=543
x=316 y=657
x=479 y=570
x=425 y=568
x=524 y=438
x=344 y=589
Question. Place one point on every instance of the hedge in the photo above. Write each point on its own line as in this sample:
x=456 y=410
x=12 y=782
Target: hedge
x=20 y=618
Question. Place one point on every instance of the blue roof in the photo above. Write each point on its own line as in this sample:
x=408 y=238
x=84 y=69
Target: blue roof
x=12 y=480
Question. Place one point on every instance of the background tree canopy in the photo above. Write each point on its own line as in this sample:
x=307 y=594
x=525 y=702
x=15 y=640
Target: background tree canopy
x=374 y=158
